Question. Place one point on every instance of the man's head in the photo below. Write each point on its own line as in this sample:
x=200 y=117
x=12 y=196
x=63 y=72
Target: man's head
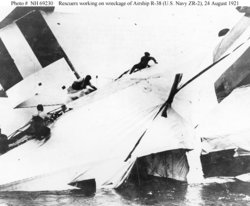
x=88 y=77
x=40 y=107
x=147 y=54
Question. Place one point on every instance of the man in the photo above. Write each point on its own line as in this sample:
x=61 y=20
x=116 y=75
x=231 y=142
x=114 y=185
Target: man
x=40 y=112
x=38 y=124
x=4 y=145
x=87 y=83
x=77 y=85
x=83 y=84
x=143 y=63
x=36 y=127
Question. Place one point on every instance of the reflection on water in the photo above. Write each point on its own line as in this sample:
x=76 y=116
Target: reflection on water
x=154 y=192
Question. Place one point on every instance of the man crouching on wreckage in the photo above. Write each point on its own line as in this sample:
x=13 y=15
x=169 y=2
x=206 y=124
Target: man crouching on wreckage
x=37 y=127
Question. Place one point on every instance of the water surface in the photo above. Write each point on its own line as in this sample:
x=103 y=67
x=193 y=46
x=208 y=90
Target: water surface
x=153 y=193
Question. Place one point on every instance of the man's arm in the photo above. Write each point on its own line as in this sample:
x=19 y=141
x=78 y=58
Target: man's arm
x=152 y=58
x=92 y=86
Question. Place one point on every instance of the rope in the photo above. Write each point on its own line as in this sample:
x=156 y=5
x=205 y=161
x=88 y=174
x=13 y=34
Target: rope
x=200 y=73
x=129 y=156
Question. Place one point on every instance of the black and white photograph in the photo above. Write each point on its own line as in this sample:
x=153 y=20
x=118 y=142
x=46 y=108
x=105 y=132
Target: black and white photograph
x=124 y=103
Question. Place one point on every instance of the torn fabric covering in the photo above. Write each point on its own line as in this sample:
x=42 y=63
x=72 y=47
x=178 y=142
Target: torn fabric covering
x=121 y=112
x=227 y=125
x=108 y=173
x=162 y=150
x=40 y=62
x=44 y=82
x=204 y=93
x=120 y=176
x=170 y=164
x=238 y=141
x=198 y=98
x=235 y=76
x=236 y=36
x=165 y=134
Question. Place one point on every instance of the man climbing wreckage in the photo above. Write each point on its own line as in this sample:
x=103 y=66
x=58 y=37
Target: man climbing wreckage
x=83 y=85
x=37 y=128
x=141 y=65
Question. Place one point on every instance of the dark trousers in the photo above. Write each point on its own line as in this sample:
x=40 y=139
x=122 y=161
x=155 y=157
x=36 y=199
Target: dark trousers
x=137 y=67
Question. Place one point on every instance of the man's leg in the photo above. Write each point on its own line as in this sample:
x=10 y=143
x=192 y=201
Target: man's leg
x=133 y=69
